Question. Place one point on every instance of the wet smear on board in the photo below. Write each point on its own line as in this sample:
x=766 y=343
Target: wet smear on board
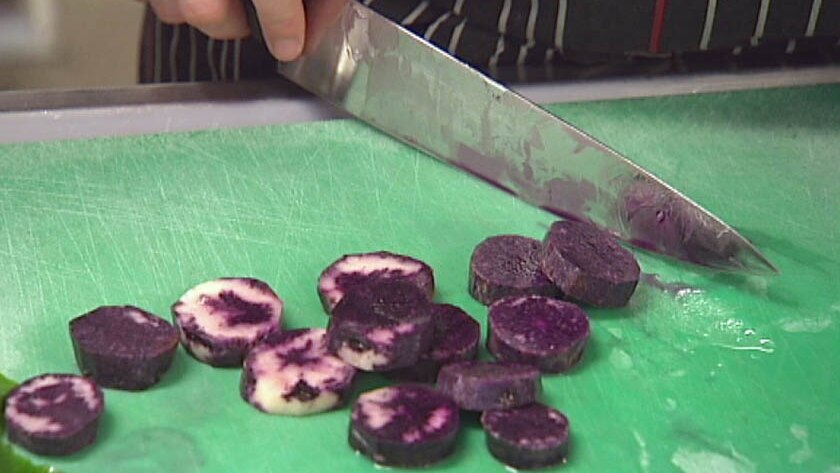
x=804 y=453
x=702 y=461
x=151 y=450
x=687 y=318
x=677 y=289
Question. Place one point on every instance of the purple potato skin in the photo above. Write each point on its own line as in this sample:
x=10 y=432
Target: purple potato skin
x=228 y=352
x=395 y=308
x=547 y=333
x=527 y=437
x=508 y=265
x=79 y=422
x=484 y=385
x=422 y=432
x=456 y=337
x=589 y=265
x=311 y=357
x=345 y=281
x=123 y=347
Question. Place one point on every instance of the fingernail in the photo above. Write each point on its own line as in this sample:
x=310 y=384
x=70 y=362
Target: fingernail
x=287 y=49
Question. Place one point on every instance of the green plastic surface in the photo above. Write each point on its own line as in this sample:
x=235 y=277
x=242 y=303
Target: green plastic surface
x=739 y=377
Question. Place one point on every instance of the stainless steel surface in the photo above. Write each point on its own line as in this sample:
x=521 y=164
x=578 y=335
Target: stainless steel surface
x=77 y=114
x=399 y=83
x=148 y=94
x=544 y=92
x=27 y=116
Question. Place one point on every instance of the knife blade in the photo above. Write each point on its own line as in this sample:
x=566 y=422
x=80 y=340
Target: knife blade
x=401 y=84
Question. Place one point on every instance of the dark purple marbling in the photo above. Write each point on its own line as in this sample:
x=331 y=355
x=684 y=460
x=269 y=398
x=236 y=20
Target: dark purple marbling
x=547 y=333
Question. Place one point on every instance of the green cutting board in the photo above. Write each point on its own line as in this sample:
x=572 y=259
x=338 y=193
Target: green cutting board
x=738 y=376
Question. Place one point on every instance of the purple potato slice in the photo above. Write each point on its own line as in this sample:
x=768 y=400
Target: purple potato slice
x=353 y=270
x=123 y=347
x=54 y=414
x=547 y=333
x=589 y=265
x=292 y=373
x=381 y=326
x=532 y=436
x=221 y=320
x=408 y=425
x=483 y=385
x=508 y=265
x=455 y=337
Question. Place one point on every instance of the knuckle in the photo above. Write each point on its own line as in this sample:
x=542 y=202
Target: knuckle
x=169 y=18
x=167 y=13
x=281 y=14
x=204 y=12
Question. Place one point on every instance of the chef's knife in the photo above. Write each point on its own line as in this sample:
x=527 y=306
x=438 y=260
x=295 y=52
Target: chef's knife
x=408 y=88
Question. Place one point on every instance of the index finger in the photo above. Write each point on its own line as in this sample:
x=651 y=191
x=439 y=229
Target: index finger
x=220 y=19
x=283 y=25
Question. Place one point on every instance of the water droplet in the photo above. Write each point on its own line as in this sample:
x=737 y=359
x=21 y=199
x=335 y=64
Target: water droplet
x=621 y=359
x=731 y=324
x=748 y=332
x=615 y=332
x=687 y=291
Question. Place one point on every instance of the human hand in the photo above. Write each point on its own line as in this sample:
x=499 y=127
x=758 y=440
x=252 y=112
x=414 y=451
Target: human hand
x=283 y=22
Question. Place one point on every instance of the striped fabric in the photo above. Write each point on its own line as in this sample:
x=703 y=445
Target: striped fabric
x=587 y=36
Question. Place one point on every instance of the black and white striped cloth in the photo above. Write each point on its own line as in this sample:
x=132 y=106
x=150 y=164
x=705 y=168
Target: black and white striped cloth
x=560 y=38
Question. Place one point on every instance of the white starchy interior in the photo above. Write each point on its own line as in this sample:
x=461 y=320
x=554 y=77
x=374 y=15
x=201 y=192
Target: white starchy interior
x=315 y=336
x=32 y=424
x=372 y=406
x=84 y=390
x=518 y=302
x=41 y=402
x=200 y=351
x=380 y=395
x=385 y=336
x=404 y=327
x=35 y=424
x=197 y=349
x=274 y=403
x=412 y=435
x=39 y=383
x=274 y=379
x=364 y=265
x=214 y=323
x=437 y=419
x=365 y=360
x=381 y=335
x=140 y=318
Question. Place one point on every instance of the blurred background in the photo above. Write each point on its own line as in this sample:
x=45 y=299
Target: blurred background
x=86 y=44
x=69 y=43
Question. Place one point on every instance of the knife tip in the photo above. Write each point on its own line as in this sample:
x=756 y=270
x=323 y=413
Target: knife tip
x=752 y=260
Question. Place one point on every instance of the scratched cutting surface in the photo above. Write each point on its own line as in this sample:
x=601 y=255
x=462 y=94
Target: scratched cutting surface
x=737 y=376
